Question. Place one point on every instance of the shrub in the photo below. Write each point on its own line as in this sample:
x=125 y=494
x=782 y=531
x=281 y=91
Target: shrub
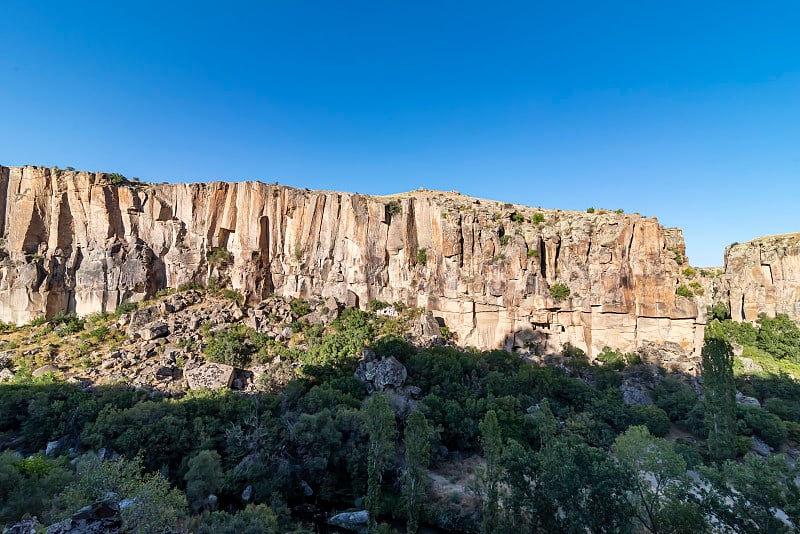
x=220 y=257
x=504 y=240
x=684 y=291
x=233 y=295
x=125 y=307
x=559 y=291
x=517 y=217
x=538 y=217
x=300 y=307
x=689 y=271
x=719 y=311
x=590 y=210
x=7 y=327
x=190 y=286
x=393 y=207
x=231 y=347
x=117 y=179
x=422 y=256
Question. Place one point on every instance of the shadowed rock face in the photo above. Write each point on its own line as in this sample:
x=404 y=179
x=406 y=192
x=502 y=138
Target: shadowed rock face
x=763 y=275
x=73 y=241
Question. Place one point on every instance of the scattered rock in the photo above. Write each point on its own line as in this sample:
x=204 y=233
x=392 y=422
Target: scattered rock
x=750 y=365
x=247 y=494
x=210 y=376
x=356 y=521
x=26 y=526
x=98 y=518
x=43 y=370
x=744 y=400
x=760 y=447
x=381 y=374
x=153 y=331
x=635 y=393
x=53 y=447
x=6 y=375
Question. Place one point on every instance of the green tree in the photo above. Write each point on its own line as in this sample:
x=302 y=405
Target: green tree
x=205 y=476
x=254 y=519
x=660 y=483
x=155 y=506
x=379 y=422
x=417 y=441
x=779 y=336
x=491 y=440
x=720 y=398
x=581 y=489
x=745 y=496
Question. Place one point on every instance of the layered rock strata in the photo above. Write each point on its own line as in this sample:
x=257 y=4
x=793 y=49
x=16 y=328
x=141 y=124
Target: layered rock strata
x=74 y=241
x=762 y=276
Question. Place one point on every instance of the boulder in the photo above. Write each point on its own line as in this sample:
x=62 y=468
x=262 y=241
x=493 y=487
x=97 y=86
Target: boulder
x=381 y=374
x=6 y=375
x=210 y=376
x=43 y=370
x=26 y=526
x=760 y=447
x=744 y=400
x=153 y=331
x=98 y=518
x=356 y=521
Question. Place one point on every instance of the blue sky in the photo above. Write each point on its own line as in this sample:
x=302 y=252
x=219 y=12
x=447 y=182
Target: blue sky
x=688 y=111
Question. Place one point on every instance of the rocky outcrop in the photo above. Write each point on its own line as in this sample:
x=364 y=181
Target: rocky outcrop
x=73 y=241
x=762 y=276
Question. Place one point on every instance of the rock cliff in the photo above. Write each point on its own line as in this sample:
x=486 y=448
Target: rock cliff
x=75 y=241
x=762 y=275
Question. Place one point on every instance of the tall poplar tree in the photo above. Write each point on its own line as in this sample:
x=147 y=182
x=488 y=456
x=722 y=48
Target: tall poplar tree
x=720 y=398
x=492 y=449
x=379 y=422
x=418 y=456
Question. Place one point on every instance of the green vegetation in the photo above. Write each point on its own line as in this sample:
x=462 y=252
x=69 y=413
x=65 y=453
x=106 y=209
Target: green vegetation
x=538 y=217
x=220 y=257
x=720 y=398
x=589 y=210
x=519 y=447
x=683 y=291
x=559 y=291
x=517 y=217
x=393 y=207
x=422 y=256
x=504 y=239
x=117 y=179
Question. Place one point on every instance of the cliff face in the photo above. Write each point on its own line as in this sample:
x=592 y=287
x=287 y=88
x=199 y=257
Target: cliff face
x=74 y=241
x=762 y=275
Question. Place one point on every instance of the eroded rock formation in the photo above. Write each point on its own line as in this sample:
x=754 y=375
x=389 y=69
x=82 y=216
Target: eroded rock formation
x=762 y=275
x=73 y=241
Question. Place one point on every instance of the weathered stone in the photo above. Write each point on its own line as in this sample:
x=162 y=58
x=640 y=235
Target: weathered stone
x=102 y=244
x=210 y=376
x=43 y=370
x=351 y=520
x=98 y=518
x=744 y=400
x=760 y=447
x=153 y=331
x=26 y=526
x=6 y=375
x=762 y=276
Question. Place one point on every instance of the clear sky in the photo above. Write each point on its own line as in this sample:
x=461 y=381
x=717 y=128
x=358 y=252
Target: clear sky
x=689 y=111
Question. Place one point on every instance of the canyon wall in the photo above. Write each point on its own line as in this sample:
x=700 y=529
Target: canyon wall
x=762 y=276
x=74 y=241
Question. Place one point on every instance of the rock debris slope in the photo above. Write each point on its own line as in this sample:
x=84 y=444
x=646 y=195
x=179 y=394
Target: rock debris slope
x=75 y=241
